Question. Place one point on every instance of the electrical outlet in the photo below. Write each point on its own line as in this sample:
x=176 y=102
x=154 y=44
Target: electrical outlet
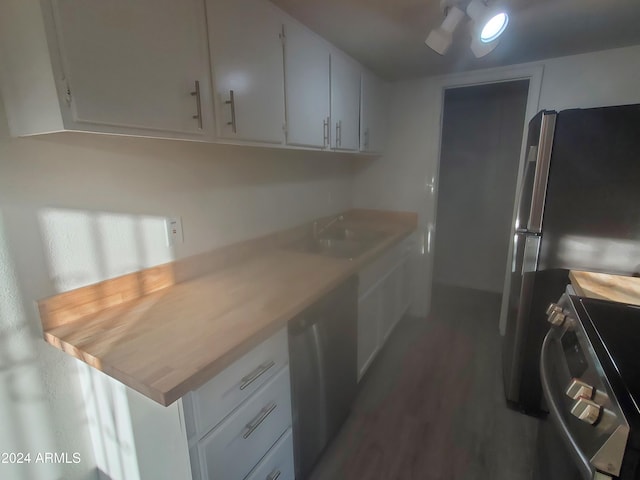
x=174 y=231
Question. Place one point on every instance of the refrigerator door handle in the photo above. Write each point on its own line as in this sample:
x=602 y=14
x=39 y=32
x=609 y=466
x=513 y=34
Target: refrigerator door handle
x=542 y=172
x=523 y=193
x=530 y=255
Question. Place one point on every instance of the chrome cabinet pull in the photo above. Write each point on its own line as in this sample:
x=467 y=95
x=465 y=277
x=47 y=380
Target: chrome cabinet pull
x=275 y=475
x=339 y=133
x=255 y=423
x=198 y=115
x=232 y=103
x=255 y=374
x=325 y=131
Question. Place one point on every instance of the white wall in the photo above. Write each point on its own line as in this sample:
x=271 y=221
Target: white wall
x=404 y=178
x=223 y=194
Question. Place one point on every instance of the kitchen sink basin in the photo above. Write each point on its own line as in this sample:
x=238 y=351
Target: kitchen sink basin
x=339 y=243
x=351 y=234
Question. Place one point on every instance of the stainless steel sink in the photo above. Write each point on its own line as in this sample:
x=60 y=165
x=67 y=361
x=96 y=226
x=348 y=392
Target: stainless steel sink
x=352 y=234
x=339 y=242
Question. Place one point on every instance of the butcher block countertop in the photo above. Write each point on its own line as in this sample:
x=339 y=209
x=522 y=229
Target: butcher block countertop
x=603 y=286
x=165 y=339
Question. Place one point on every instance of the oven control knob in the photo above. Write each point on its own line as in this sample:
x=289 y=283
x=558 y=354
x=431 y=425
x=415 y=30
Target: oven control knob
x=577 y=388
x=586 y=410
x=553 y=307
x=556 y=318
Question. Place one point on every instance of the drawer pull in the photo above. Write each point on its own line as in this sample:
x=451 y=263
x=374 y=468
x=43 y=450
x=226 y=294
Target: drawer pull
x=257 y=373
x=255 y=423
x=275 y=475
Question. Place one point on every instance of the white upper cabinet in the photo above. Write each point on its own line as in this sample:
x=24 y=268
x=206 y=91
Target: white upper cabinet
x=136 y=68
x=345 y=103
x=133 y=64
x=247 y=58
x=210 y=70
x=374 y=111
x=307 y=69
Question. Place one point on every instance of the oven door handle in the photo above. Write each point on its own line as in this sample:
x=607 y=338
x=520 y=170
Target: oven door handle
x=586 y=470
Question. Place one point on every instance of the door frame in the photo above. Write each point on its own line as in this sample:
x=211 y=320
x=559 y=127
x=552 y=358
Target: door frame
x=533 y=73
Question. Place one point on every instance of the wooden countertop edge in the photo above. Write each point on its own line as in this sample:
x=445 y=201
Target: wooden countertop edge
x=604 y=286
x=204 y=374
x=575 y=283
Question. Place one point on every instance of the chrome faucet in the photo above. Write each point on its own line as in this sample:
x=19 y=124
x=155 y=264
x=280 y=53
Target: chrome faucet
x=318 y=231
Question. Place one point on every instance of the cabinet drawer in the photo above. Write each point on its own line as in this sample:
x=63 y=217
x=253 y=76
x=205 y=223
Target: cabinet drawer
x=206 y=407
x=278 y=463
x=231 y=450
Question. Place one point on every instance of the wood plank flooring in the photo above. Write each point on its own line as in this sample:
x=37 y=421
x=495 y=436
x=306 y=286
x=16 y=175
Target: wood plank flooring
x=431 y=407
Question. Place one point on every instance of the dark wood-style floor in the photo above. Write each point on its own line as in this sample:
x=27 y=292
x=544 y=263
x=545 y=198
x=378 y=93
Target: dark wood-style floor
x=431 y=407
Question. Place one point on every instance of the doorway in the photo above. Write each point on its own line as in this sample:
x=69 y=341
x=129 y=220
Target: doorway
x=482 y=130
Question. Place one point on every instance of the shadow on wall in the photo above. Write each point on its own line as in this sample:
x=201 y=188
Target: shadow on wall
x=83 y=248
x=210 y=165
x=24 y=403
x=50 y=402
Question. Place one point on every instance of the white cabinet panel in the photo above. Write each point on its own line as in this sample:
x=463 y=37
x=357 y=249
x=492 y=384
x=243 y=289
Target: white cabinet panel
x=247 y=59
x=406 y=285
x=374 y=113
x=278 y=463
x=389 y=303
x=134 y=64
x=384 y=295
x=306 y=65
x=232 y=450
x=368 y=329
x=345 y=103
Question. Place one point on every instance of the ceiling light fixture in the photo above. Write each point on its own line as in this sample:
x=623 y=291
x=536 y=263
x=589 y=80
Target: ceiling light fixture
x=488 y=23
x=494 y=27
x=440 y=38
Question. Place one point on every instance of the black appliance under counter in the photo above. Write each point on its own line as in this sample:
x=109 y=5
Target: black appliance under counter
x=590 y=376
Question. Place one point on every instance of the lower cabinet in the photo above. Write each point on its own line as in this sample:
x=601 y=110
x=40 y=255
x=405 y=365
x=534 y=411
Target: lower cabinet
x=384 y=297
x=239 y=423
x=368 y=332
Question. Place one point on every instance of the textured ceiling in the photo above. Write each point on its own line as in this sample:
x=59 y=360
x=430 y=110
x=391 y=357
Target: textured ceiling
x=388 y=35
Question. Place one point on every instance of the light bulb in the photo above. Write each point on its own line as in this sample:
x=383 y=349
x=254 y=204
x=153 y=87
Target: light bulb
x=494 y=27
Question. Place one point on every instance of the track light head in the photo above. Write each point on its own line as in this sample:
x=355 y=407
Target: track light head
x=440 y=38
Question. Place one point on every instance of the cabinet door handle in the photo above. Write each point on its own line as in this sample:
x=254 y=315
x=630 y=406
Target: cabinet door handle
x=255 y=374
x=275 y=475
x=255 y=423
x=232 y=103
x=198 y=115
x=325 y=132
x=339 y=133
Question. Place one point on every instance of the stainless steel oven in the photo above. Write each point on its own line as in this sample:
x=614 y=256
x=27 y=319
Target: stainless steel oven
x=592 y=424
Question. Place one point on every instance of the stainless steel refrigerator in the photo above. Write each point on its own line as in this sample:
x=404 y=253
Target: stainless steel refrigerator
x=578 y=208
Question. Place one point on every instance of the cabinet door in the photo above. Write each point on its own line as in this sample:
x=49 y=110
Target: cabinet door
x=373 y=114
x=306 y=69
x=406 y=285
x=246 y=53
x=389 y=303
x=345 y=103
x=134 y=64
x=368 y=329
